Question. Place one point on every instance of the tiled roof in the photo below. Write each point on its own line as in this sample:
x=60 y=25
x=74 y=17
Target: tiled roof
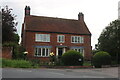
x=50 y=24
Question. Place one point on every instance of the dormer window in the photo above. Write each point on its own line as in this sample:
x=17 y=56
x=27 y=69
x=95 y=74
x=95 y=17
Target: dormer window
x=60 y=38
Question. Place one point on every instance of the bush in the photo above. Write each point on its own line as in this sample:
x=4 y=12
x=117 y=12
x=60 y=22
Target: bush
x=16 y=63
x=35 y=62
x=72 y=58
x=101 y=58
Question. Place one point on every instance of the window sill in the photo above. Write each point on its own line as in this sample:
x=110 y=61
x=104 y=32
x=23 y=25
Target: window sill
x=77 y=43
x=41 y=41
x=61 y=42
x=41 y=56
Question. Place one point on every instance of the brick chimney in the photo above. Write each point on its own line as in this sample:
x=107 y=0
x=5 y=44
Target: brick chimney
x=81 y=16
x=27 y=10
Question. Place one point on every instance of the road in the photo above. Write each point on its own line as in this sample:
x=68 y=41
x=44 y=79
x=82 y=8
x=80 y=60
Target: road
x=60 y=73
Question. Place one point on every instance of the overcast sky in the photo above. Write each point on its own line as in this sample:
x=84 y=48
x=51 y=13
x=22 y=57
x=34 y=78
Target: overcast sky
x=97 y=13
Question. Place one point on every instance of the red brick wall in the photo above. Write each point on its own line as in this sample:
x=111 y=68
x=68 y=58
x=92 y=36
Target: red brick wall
x=6 y=53
x=30 y=43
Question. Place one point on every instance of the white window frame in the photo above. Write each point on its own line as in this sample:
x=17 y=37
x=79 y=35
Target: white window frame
x=41 y=54
x=60 y=38
x=42 y=37
x=77 y=39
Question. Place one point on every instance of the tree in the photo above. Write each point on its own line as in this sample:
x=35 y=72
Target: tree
x=9 y=26
x=10 y=37
x=109 y=39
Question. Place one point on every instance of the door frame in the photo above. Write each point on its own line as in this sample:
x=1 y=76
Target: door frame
x=64 y=50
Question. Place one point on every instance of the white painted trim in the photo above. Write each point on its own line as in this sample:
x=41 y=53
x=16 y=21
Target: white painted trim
x=63 y=50
x=56 y=51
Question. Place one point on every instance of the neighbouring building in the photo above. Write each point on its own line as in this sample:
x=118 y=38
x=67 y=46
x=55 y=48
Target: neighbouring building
x=42 y=35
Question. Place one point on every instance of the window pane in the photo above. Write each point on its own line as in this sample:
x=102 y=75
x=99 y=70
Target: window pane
x=43 y=52
x=46 y=52
x=78 y=39
x=79 y=50
x=39 y=52
x=40 y=37
x=59 y=39
x=72 y=39
x=63 y=38
x=75 y=39
x=36 y=37
x=35 y=51
x=82 y=39
x=46 y=38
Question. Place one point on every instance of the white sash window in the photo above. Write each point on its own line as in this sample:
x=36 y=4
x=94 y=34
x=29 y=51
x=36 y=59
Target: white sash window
x=61 y=38
x=77 y=39
x=42 y=37
x=42 y=52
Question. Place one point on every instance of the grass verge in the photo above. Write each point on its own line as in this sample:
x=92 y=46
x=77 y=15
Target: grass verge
x=16 y=63
x=87 y=63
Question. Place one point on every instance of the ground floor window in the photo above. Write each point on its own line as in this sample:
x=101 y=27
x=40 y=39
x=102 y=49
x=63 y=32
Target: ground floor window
x=81 y=50
x=42 y=52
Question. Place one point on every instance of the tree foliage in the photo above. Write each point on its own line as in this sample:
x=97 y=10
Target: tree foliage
x=109 y=39
x=9 y=26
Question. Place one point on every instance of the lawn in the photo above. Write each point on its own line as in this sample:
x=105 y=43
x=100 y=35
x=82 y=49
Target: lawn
x=87 y=63
x=15 y=63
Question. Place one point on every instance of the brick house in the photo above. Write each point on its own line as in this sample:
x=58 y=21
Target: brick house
x=42 y=35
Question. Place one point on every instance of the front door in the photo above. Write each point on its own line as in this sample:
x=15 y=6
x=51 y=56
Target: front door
x=60 y=52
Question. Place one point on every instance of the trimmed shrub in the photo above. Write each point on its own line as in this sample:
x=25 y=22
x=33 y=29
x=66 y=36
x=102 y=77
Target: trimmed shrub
x=101 y=58
x=72 y=58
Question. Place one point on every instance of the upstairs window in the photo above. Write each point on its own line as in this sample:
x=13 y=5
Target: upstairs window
x=61 y=38
x=42 y=37
x=77 y=39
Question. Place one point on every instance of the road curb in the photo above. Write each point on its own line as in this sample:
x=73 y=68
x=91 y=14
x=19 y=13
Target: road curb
x=67 y=67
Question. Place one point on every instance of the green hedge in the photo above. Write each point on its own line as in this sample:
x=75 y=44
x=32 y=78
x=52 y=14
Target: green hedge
x=101 y=58
x=72 y=58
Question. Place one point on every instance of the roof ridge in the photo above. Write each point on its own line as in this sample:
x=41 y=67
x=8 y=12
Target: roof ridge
x=54 y=17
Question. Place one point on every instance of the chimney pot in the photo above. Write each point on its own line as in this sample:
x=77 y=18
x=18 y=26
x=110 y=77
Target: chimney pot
x=27 y=10
x=81 y=16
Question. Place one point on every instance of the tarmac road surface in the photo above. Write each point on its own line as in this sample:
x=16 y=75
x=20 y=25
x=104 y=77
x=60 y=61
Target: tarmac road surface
x=60 y=73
